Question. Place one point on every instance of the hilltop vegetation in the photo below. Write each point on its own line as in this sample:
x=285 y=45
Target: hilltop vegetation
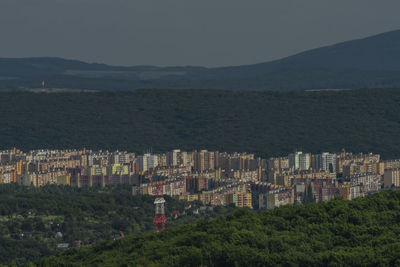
x=283 y=80
x=266 y=123
x=362 y=232
x=34 y=220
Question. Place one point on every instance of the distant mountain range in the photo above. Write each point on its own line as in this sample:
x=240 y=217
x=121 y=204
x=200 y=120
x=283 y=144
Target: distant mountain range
x=372 y=62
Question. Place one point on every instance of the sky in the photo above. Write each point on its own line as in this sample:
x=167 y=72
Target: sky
x=185 y=32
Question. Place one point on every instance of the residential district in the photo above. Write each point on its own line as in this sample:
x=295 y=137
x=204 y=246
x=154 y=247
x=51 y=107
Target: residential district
x=211 y=177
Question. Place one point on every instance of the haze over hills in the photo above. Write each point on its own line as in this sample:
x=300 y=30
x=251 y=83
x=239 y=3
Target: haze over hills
x=372 y=62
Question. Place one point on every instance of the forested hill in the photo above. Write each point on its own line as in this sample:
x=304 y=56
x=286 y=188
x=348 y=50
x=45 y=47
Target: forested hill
x=362 y=232
x=265 y=123
x=371 y=62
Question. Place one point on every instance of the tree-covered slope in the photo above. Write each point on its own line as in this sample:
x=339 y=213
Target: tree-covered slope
x=266 y=123
x=362 y=232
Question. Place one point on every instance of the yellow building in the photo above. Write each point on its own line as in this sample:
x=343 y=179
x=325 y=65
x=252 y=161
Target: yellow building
x=240 y=199
x=189 y=197
x=118 y=168
x=64 y=179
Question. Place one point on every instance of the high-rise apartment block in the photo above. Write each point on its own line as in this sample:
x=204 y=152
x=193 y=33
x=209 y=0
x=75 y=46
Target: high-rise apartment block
x=299 y=161
x=325 y=162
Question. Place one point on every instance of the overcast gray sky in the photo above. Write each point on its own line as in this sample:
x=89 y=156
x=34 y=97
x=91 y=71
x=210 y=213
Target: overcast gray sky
x=185 y=32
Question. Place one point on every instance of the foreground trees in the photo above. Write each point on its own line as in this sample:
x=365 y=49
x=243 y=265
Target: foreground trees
x=360 y=232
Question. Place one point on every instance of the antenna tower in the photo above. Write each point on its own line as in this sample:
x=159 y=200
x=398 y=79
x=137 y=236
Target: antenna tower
x=159 y=218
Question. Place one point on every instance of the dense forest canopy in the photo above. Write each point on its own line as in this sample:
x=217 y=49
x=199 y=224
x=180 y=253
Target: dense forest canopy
x=266 y=123
x=362 y=232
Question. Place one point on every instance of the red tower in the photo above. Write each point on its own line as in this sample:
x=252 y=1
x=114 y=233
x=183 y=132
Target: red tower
x=159 y=218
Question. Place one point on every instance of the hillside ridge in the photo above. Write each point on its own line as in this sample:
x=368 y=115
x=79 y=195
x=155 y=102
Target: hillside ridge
x=371 y=62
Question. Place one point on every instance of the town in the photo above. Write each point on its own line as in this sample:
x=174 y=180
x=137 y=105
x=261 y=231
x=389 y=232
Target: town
x=211 y=177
